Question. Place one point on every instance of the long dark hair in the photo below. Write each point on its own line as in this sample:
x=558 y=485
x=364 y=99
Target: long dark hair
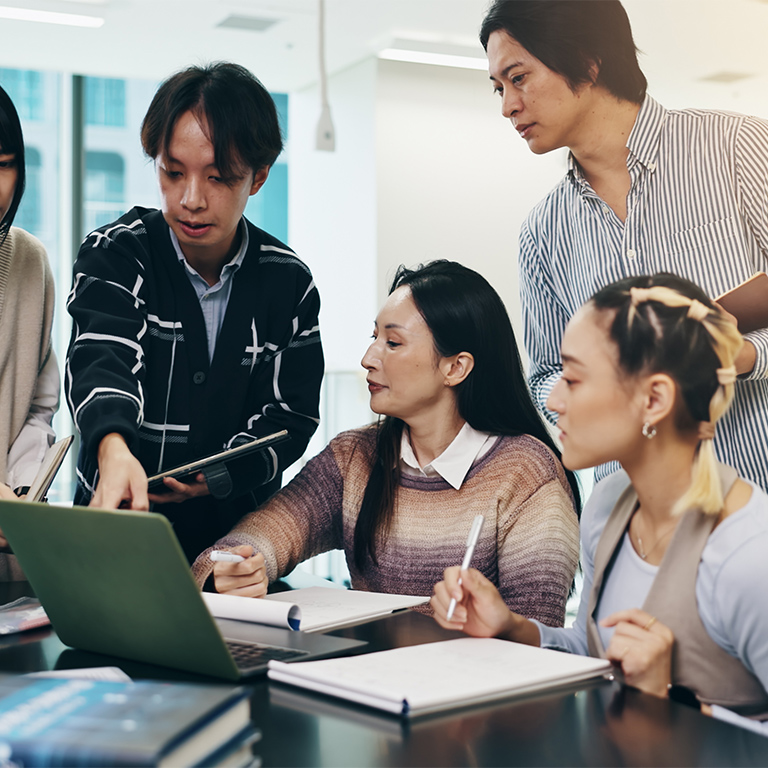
x=570 y=36
x=11 y=143
x=464 y=314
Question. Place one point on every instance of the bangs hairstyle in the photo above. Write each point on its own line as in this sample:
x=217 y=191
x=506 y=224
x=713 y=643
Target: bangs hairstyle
x=570 y=36
x=11 y=143
x=658 y=335
x=464 y=314
x=233 y=108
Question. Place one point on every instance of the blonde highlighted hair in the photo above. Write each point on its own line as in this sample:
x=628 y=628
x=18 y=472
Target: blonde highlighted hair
x=665 y=324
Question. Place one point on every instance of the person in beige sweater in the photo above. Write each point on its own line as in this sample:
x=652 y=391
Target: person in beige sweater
x=29 y=376
x=459 y=437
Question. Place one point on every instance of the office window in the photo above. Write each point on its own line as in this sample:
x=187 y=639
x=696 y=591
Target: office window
x=104 y=188
x=29 y=215
x=25 y=87
x=104 y=101
x=268 y=208
x=281 y=104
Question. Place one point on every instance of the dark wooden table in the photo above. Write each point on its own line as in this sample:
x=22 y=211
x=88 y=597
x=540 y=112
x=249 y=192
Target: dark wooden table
x=592 y=725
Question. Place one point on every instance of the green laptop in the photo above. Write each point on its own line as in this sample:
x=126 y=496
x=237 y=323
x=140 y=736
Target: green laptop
x=117 y=583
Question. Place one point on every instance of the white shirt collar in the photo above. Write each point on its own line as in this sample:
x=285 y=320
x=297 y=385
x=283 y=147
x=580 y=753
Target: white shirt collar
x=454 y=463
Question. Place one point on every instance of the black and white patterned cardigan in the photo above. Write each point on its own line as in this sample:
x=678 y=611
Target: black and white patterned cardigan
x=138 y=362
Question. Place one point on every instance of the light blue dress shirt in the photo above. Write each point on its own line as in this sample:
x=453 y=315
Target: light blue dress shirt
x=214 y=298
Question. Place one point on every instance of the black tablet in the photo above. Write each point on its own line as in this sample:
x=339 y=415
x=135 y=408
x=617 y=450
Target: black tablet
x=186 y=472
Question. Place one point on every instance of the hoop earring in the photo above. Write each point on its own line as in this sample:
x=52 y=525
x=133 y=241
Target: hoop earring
x=649 y=431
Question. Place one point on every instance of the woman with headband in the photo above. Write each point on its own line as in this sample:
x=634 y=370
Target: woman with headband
x=674 y=544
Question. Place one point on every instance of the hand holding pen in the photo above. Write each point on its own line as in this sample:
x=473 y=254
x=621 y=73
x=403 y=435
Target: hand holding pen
x=239 y=572
x=474 y=535
x=221 y=556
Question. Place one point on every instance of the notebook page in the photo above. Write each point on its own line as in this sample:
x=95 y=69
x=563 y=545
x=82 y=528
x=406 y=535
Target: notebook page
x=323 y=608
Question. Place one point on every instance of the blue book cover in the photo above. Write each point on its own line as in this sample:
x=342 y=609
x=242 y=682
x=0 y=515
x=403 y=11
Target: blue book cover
x=57 y=722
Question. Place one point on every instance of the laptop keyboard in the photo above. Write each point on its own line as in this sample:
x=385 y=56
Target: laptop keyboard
x=250 y=655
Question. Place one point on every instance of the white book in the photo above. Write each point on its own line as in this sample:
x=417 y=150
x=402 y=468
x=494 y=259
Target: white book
x=421 y=679
x=313 y=609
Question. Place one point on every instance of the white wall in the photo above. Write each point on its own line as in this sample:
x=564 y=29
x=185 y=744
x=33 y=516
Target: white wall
x=332 y=209
x=425 y=167
x=454 y=179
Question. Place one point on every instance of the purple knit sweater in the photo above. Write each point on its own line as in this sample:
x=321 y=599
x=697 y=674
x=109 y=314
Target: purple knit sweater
x=529 y=547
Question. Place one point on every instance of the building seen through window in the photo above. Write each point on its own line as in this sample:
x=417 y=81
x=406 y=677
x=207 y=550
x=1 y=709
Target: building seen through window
x=25 y=87
x=28 y=216
x=269 y=208
x=104 y=101
x=104 y=189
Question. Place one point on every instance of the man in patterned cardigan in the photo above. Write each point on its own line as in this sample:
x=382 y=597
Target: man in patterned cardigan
x=193 y=330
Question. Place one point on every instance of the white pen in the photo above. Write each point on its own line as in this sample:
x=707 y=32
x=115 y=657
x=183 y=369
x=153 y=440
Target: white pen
x=474 y=535
x=225 y=557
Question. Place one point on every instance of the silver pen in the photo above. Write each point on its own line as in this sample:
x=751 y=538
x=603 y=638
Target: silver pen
x=474 y=535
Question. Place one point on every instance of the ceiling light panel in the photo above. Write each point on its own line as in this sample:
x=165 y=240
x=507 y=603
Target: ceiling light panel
x=249 y=23
x=48 y=17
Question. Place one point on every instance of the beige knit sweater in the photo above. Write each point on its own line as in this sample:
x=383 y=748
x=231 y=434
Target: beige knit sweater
x=529 y=546
x=26 y=316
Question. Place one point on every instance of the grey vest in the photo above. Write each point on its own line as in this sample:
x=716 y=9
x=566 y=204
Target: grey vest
x=698 y=662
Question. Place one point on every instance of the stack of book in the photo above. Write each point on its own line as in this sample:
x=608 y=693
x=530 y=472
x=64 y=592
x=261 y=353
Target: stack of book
x=62 y=722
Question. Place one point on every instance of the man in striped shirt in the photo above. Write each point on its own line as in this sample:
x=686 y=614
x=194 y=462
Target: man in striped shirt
x=647 y=190
x=193 y=330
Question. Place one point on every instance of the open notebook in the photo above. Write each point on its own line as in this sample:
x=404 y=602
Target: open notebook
x=312 y=609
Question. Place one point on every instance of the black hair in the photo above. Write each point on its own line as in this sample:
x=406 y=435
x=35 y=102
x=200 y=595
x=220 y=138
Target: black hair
x=231 y=105
x=464 y=314
x=662 y=339
x=666 y=324
x=570 y=36
x=11 y=143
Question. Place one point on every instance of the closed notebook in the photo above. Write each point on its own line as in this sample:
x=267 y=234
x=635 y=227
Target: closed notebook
x=57 y=722
x=52 y=461
x=748 y=303
x=421 y=679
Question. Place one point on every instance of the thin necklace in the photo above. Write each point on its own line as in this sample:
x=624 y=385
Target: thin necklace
x=643 y=554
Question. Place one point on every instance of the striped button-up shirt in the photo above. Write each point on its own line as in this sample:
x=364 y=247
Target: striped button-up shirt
x=697 y=207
